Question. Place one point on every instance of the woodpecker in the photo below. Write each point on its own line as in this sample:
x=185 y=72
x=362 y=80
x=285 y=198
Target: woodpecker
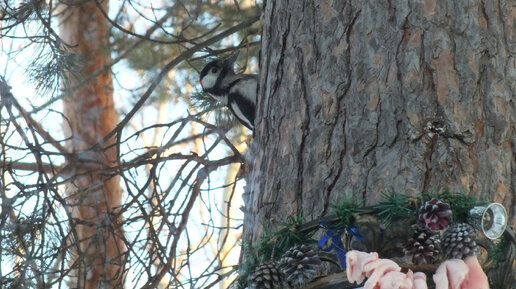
x=236 y=91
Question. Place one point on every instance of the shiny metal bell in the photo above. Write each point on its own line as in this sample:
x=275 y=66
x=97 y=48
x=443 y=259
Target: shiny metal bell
x=490 y=219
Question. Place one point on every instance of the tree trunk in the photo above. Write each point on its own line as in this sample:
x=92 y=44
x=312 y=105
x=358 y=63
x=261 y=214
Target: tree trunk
x=362 y=97
x=91 y=115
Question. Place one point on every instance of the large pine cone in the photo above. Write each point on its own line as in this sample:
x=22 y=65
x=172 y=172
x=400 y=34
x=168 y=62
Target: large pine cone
x=424 y=246
x=458 y=242
x=299 y=265
x=435 y=214
x=267 y=276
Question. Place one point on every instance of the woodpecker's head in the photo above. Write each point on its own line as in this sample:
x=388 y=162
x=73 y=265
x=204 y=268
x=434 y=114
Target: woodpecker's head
x=214 y=75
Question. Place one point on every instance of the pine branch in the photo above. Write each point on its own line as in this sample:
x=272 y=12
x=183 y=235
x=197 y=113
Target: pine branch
x=201 y=177
x=33 y=167
x=8 y=99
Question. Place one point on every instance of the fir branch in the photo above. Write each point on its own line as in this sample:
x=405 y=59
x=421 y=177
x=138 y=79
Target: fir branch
x=203 y=102
x=345 y=210
x=394 y=206
x=273 y=244
x=498 y=253
x=51 y=68
x=248 y=267
x=209 y=107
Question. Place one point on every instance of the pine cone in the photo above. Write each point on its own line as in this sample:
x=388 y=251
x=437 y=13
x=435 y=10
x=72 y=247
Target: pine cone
x=299 y=265
x=435 y=214
x=458 y=242
x=267 y=276
x=423 y=246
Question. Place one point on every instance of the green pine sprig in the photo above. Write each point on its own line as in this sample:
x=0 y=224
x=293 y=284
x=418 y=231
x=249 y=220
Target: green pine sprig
x=52 y=67
x=203 y=102
x=394 y=206
x=498 y=253
x=274 y=244
x=247 y=268
x=210 y=107
x=345 y=209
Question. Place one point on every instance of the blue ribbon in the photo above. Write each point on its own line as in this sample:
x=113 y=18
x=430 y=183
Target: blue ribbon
x=333 y=237
x=353 y=232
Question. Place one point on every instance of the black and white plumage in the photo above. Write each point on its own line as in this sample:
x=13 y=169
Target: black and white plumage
x=236 y=91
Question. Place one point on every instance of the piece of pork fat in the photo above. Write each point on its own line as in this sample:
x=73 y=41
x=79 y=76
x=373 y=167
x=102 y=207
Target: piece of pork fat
x=396 y=280
x=457 y=274
x=420 y=281
x=476 y=278
x=355 y=262
x=379 y=268
x=450 y=274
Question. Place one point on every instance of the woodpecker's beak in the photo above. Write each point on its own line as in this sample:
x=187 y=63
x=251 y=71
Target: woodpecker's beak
x=231 y=59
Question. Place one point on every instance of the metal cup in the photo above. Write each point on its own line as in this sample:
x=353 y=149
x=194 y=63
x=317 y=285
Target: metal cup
x=490 y=219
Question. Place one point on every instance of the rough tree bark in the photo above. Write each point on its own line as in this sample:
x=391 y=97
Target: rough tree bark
x=367 y=96
x=90 y=116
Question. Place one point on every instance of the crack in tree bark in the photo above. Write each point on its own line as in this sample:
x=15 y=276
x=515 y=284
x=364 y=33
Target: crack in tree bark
x=305 y=128
x=428 y=163
x=279 y=68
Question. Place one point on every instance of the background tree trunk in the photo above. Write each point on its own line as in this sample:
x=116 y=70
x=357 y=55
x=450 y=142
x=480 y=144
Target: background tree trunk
x=368 y=96
x=91 y=115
